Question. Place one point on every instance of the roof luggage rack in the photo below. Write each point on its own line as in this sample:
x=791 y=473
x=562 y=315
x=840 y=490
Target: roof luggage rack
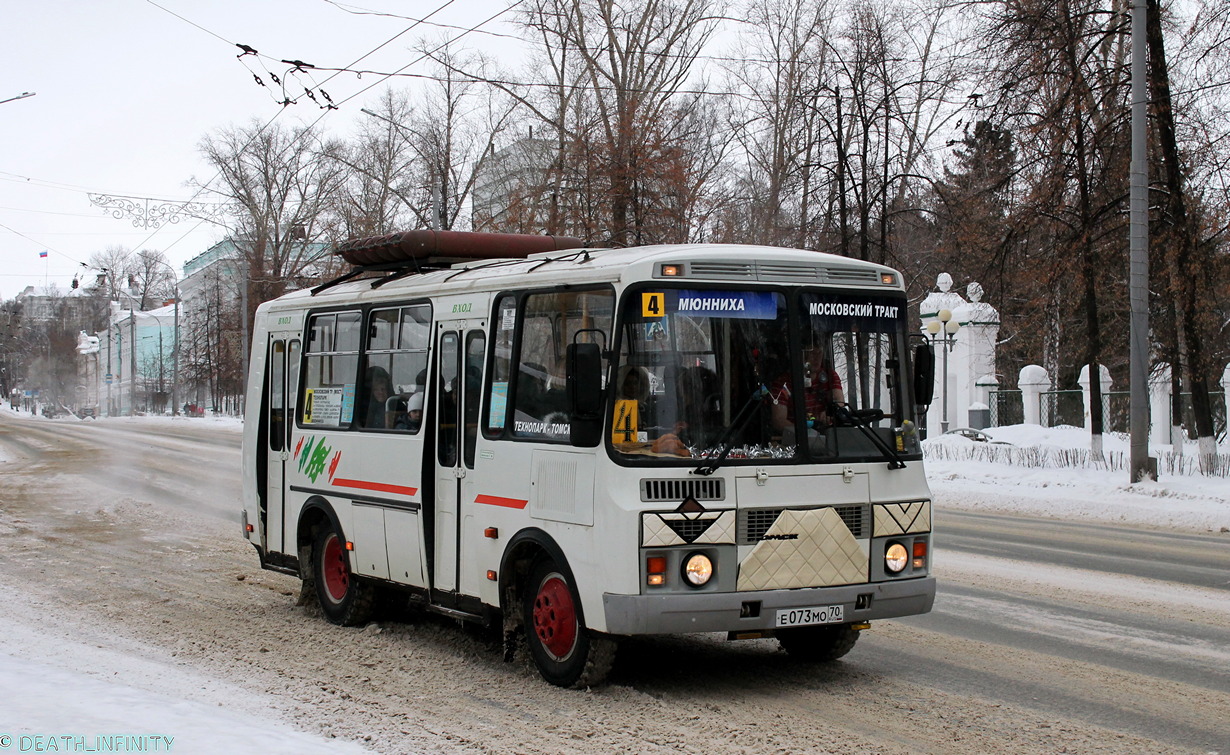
x=398 y=255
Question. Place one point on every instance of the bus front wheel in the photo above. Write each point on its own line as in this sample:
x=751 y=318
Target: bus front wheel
x=566 y=653
x=344 y=598
x=818 y=643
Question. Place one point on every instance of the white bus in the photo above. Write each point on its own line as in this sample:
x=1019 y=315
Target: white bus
x=581 y=444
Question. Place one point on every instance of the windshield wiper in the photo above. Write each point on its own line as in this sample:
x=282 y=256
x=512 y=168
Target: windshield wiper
x=736 y=426
x=861 y=418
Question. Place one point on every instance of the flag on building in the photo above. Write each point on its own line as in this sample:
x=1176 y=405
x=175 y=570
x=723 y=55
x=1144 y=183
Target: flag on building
x=43 y=253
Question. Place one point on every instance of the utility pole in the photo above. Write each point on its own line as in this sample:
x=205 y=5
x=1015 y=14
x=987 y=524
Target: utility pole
x=1141 y=466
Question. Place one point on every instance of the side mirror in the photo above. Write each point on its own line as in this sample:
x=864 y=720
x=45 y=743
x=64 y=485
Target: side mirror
x=924 y=374
x=584 y=364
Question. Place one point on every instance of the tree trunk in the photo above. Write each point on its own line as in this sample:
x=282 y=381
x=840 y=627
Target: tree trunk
x=1182 y=247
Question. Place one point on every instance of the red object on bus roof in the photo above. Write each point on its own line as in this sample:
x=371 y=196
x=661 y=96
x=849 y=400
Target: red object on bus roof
x=421 y=245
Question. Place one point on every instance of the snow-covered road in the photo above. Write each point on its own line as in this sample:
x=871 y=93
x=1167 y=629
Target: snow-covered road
x=135 y=608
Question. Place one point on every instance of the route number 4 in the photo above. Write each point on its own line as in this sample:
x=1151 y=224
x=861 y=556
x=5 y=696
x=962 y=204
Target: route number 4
x=653 y=305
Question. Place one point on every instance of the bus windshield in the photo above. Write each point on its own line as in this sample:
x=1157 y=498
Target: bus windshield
x=731 y=373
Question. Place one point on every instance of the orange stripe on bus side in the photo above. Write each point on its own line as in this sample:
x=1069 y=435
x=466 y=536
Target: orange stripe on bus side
x=377 y=486
x=495 y=500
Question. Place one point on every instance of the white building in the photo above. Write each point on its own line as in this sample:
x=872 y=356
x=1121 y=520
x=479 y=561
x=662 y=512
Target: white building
x=135 y=361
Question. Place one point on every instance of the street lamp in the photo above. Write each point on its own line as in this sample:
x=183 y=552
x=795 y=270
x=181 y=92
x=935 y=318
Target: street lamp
x=948 y=339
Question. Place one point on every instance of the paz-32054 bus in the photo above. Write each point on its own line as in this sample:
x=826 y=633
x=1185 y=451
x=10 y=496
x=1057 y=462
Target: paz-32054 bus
x=580 y=444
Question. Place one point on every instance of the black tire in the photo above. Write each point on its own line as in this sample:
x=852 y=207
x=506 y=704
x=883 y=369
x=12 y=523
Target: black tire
x=824 y=642
x=345 y=599
x=566 y=653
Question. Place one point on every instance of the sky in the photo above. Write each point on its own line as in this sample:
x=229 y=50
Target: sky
x=125 y=90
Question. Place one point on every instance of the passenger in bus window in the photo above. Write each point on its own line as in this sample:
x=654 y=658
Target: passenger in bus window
x=821 y=388
x=379 y=388
x=412 y=420
x=633 y=383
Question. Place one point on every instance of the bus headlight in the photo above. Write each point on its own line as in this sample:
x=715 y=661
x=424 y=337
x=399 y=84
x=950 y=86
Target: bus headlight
x=896 y=558
x=697 y=569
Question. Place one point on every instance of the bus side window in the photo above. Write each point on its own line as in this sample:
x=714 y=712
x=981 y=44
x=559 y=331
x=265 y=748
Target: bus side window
x=277 y=405
x=332 y=366
x=499 y=374
x=395 y=375
x=550 y=321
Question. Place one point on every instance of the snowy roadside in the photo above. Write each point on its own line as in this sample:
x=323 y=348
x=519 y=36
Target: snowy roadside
x=960 y=479
x=103 y=694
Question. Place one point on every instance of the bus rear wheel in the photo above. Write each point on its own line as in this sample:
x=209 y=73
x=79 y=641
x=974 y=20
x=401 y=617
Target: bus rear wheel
x=344 y=598
x=566 y=653
x=822 y=642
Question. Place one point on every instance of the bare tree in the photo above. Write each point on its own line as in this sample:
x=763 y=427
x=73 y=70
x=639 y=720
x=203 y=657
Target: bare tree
x=453 y=133
x=281 y=183
x=1063 y=80
x=785 y=63
x=611 y=106
x=1184 y=255
x=381 y=192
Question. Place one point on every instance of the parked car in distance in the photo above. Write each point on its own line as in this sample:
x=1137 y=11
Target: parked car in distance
x=978 y=435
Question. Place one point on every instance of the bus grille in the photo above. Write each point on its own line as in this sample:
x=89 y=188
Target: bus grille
x=852 y=275
x=753 y=523
x=724 y=270
x=789 y=273
x=785 y=272
x=711 y=489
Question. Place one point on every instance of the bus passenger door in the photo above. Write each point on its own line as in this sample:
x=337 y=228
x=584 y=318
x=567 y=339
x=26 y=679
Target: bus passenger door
x=283 y=384
x=449 y=472
x=458 y=397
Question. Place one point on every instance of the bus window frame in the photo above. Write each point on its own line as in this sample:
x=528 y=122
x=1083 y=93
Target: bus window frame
x=520 y=295
x=796 y=325
x=365 y=361
x=364 y=321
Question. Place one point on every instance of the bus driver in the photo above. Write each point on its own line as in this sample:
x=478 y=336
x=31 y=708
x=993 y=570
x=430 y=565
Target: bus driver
x=821 y=385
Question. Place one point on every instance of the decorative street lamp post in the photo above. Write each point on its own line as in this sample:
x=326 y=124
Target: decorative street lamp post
x=948 y=338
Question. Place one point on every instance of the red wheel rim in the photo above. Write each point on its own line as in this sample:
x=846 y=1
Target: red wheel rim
x=555 y=617
x=335 y=569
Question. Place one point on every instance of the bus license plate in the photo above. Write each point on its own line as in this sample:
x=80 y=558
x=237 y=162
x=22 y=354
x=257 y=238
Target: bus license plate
x=798 y=617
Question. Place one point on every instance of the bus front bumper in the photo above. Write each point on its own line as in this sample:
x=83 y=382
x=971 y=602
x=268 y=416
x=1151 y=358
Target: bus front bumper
x=679 y=613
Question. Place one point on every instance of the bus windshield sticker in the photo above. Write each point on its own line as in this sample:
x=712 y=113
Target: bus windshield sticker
x=863 y=313
x=499 y=405
x=652 y=304
x=324 y=406
x=347 y=404
x=741 y=305
x=627 y=421
x=655 y=332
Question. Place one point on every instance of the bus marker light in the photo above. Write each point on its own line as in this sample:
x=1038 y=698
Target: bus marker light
x=492 y=532
x=888 y=279
x=250 y=528
x=349 y=545
x=491 y=575
x=657 y=579
x=671 y=270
